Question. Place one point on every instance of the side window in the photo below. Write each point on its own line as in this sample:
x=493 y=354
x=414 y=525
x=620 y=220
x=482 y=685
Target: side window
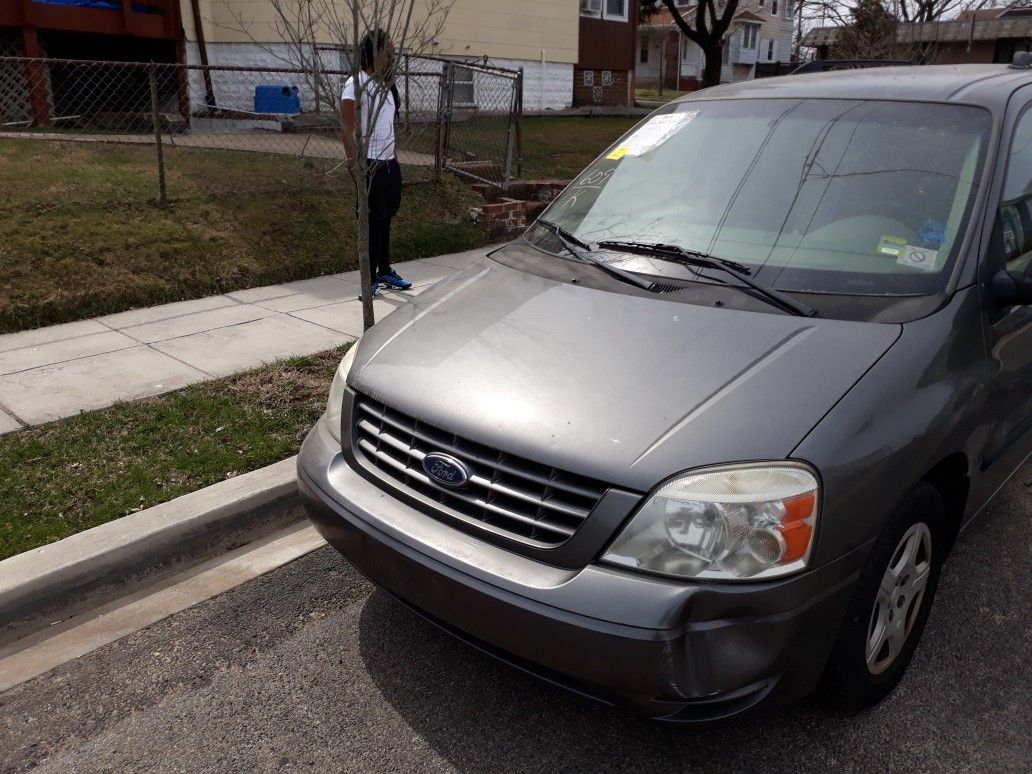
x=464 y=96
x=1014 y=223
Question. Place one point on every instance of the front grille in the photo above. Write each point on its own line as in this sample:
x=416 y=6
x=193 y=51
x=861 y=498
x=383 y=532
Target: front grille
x=508 y=495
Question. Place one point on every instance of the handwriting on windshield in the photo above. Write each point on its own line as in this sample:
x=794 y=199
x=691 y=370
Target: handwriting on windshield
x=592 y=181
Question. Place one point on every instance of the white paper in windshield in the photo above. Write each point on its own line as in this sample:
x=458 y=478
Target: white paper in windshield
x=656 y=131
x=919 y=258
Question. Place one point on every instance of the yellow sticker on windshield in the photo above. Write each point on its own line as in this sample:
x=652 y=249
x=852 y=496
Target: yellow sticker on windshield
x=891 y=245
x=618 y=153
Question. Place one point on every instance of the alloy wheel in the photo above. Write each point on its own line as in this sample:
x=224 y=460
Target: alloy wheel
x=899 y=598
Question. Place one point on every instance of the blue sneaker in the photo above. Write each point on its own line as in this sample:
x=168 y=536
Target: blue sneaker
x=372 y=290
x=392 y=280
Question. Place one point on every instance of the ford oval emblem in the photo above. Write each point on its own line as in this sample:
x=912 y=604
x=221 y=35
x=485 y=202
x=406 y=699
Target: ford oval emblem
x=445 y=469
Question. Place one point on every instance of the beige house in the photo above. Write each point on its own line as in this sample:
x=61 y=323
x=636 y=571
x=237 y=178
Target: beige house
x=540 y=36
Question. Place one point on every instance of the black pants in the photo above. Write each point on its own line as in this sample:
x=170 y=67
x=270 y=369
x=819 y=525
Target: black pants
x=384 y=179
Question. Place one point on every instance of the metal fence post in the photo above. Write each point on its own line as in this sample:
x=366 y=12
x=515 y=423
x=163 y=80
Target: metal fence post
x=441 y=122
x=519 y=125
x=156 y=120
x=408 y=107
x=510 y=140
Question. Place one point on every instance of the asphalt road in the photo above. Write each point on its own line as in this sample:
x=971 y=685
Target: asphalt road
x=311 y=668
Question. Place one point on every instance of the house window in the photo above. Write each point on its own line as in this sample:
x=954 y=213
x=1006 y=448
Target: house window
x=616 y=10
x=770 y=50
x=762 y=3
x=773 y=7
x=462 y=93
x=643 y=57
x=749 y=35
x=591 y=7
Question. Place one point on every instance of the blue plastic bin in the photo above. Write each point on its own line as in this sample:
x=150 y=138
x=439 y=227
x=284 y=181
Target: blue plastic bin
x=276 y=98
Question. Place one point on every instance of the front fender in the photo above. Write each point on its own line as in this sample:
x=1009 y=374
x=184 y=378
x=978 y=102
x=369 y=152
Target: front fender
x=922 y=401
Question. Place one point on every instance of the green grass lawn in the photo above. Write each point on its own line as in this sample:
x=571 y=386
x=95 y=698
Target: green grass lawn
x=652 y=93
x=76 y=473
x=553 y=146
x=80 y=234
x=561 y=147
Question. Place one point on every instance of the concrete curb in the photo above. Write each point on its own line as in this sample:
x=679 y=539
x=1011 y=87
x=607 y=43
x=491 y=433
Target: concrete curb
x=56 y=581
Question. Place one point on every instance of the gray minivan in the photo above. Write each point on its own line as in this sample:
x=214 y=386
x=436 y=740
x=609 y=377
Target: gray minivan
x=702 y=438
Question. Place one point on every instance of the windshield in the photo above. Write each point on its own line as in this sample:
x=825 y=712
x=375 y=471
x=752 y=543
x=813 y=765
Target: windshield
x=827 y=196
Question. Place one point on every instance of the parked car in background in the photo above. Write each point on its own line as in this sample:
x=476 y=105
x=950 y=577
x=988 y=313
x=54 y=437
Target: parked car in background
x=703 y=438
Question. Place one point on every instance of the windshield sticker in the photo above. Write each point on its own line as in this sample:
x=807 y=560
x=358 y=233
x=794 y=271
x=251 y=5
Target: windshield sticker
x=656 y=131
x=890 y=245
x=918 y=257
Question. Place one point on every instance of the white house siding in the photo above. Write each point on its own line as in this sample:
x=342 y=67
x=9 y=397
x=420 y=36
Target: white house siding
x=647 y=73
x=235 y=90
x=558 y=83
x=778 y=29
x=692 y=62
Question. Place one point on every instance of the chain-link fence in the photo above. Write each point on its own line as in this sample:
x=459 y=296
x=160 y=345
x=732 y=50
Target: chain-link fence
x=463 y=119
x=480 y=112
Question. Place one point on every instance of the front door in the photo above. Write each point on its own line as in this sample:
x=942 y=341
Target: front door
x=1009 y=328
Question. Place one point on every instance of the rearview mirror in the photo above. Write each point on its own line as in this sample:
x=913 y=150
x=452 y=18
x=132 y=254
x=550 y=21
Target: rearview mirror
x=1012 y=289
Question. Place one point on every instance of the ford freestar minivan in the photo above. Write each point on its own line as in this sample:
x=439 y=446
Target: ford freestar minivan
x=704 y=436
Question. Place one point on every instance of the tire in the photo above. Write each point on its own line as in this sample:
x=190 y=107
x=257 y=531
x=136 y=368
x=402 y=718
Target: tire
x=887 y=635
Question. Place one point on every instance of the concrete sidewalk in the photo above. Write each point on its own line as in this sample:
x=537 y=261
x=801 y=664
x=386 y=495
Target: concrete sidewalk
x=300 y=144
x=55 y=372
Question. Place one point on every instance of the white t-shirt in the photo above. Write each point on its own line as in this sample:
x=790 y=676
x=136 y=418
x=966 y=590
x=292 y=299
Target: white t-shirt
x=381 y=137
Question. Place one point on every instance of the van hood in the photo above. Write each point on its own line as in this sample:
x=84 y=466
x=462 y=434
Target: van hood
x=622 y=388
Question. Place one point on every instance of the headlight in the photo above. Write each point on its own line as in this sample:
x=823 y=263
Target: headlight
x=739 y=522
x=335 y=403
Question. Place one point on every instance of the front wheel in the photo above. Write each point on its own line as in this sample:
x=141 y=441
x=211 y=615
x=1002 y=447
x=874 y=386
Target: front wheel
x=891 y=604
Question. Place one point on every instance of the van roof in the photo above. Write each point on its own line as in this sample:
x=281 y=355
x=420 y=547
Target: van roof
x=986 y=84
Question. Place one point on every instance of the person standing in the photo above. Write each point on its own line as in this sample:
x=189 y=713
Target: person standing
x=379 y=107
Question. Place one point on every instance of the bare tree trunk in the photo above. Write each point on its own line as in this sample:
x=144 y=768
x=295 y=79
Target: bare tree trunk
x=714 y=66
x=365 y=269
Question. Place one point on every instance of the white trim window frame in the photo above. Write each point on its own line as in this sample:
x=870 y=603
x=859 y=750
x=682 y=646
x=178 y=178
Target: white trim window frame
x=750 y=36
x=610 y=15
x=591 y=8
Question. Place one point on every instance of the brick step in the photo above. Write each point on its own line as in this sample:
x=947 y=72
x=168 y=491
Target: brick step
x=506 y=213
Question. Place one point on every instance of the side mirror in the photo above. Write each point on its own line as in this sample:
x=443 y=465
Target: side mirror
x=1012 y=289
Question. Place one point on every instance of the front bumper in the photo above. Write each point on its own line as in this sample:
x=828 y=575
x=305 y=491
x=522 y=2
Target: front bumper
x=675 y=650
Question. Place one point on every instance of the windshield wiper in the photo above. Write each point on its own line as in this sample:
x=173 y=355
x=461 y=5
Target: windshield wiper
x=582 y=252
x=696 y=259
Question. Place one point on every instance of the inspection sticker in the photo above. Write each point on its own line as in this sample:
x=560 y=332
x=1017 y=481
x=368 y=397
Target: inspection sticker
x=890 y=245
x=918 y=257
x=656 y=131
